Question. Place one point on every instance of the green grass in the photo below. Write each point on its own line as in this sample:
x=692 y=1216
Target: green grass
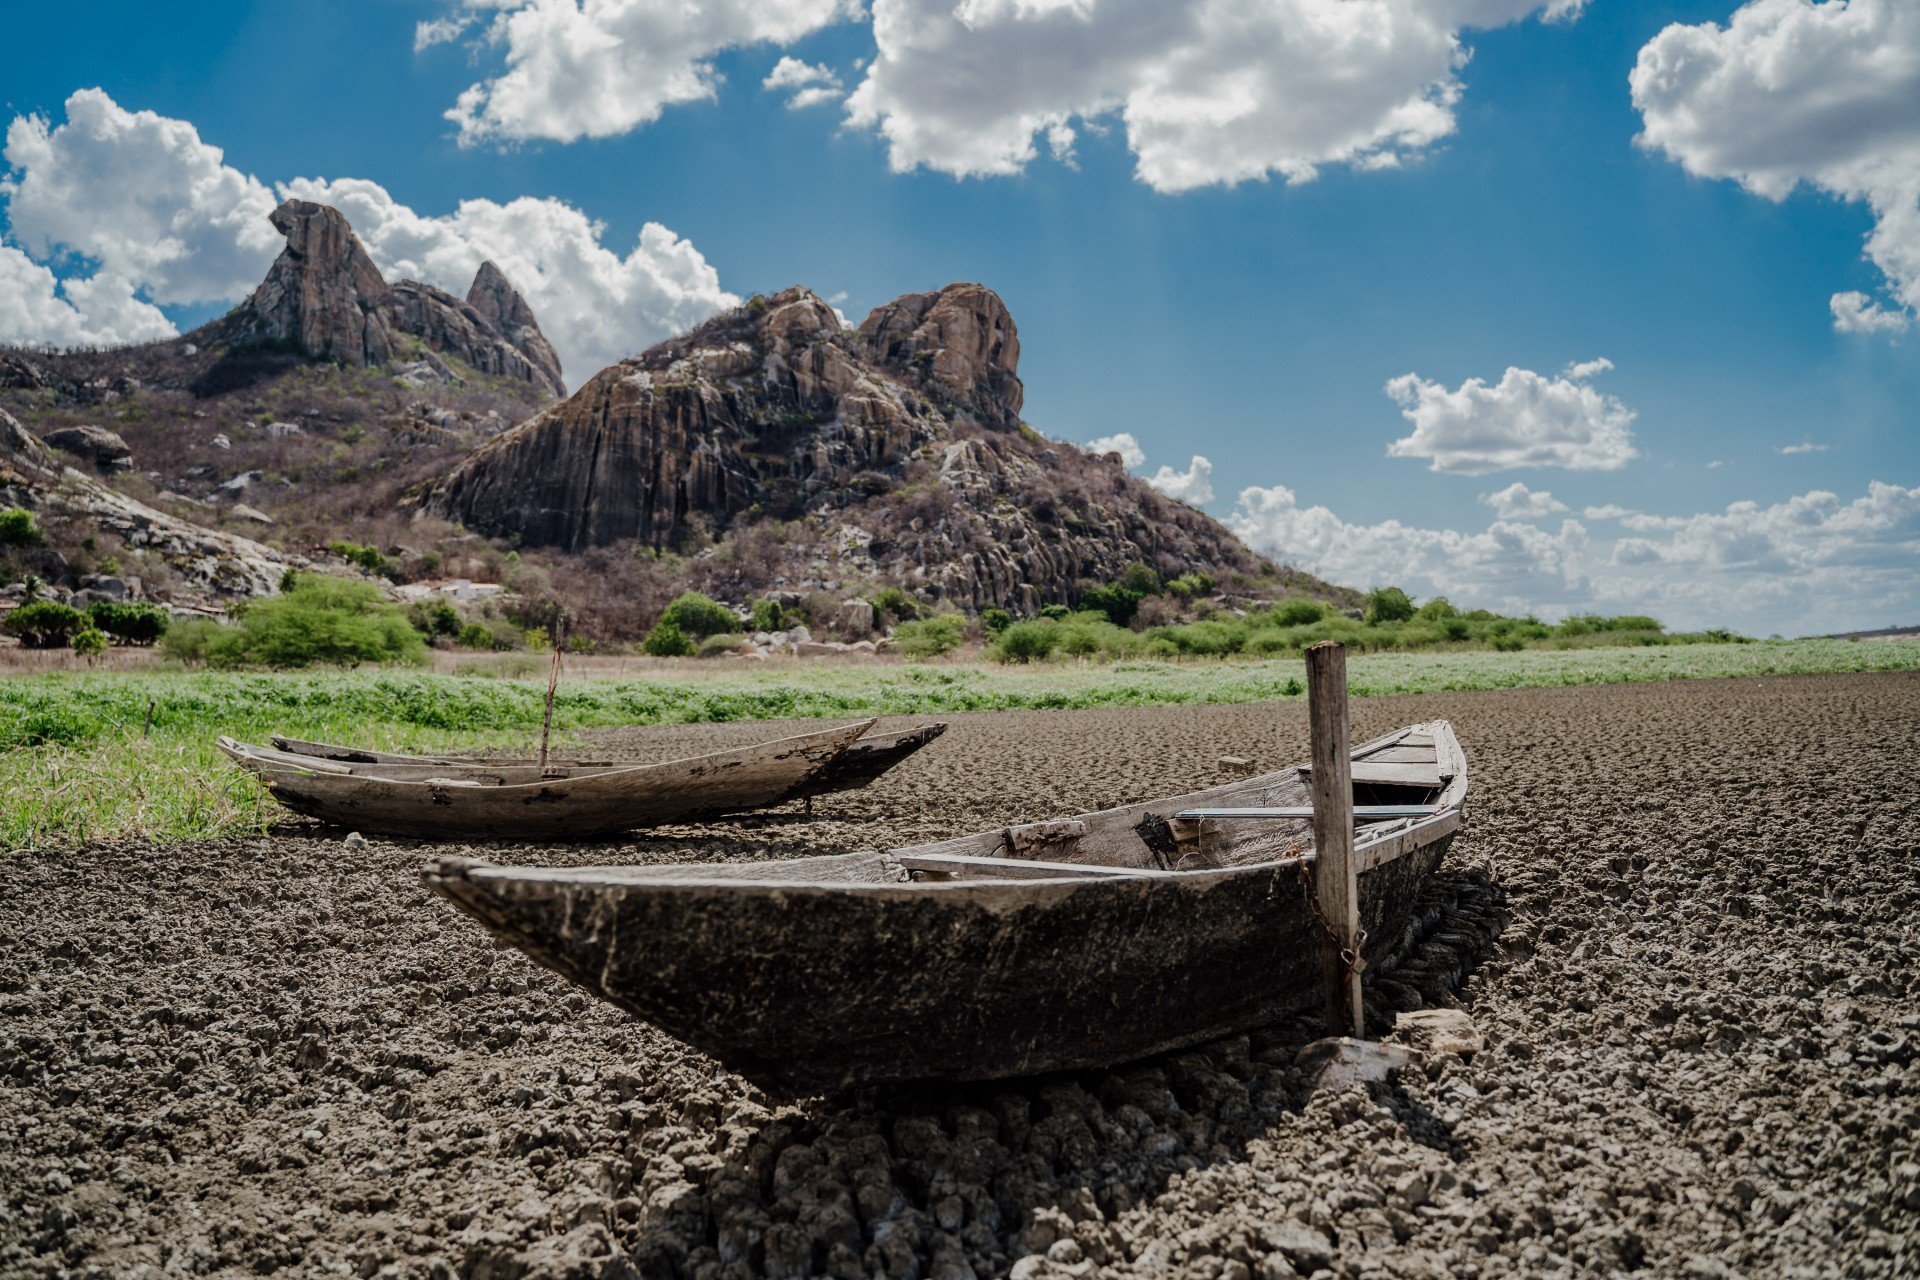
x=74 y=765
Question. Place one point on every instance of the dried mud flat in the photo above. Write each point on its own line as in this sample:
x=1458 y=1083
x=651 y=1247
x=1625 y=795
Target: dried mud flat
x=1683 y=916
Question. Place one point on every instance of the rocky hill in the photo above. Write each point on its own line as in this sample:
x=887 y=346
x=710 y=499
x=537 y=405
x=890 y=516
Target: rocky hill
x=892 y=453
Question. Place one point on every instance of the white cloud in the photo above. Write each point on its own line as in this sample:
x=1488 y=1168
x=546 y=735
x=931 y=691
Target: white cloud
x=1855 y=312
x=1211 y=92
x=162 y=214
x=1810 y=564
x=1805 y=446
x=1607 y=511
x=1525 y=420
x=96 y=311
x=1715 y=465
x=141 y=195
x=1517 y=502
x=597 y=68
x=1194 y=486
x=1788 y=92
x=1122 y=443
x=812 y=84
x=439 y=31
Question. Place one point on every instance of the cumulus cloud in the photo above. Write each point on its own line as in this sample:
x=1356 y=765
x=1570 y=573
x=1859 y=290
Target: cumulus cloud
x=97 y=311
x=1855 y=312
x=164 y=217
x=596 y=68
x=1121 y=443
x=1517 y=502
x=1211 y=92
x=1527 y=419
x=1813 y=563
x=810 y=84
x=142 y=196
x=1791 y=92
x=1194 y=486
x=439 y=31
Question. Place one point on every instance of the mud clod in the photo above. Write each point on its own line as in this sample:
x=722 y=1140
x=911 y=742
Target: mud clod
x=1680 y=918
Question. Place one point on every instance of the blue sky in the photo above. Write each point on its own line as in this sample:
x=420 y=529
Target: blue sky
x=1161 y=292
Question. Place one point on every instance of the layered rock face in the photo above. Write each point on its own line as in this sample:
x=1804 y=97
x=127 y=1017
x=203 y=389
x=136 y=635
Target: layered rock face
x=900 y=441
x=325 y=297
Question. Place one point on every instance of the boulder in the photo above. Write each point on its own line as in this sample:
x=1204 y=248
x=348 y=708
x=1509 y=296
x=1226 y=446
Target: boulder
x=103 y=448
x=1341 y=1062
x=855 y=618
x=1437 y=1031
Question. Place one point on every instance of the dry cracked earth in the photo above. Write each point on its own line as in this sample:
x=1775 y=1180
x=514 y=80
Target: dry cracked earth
x=1683 y=916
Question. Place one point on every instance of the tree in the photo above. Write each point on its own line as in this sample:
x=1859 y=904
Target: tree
x=17 y=528
x=46 y=625
x=667 y=641
x=132 y=622
x=1388 y=604
x=699 y=616
x=929 y=637
x=1117 y=600
x=1026 y=641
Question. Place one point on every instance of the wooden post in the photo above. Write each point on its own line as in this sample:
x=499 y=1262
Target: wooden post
x=1334 y=880
x=146 y=729
x=546 y=721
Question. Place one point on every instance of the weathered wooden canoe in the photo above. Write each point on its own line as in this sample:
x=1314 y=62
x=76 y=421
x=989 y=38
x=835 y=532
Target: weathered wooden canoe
x=518 y=801
x=866 y=759
x=1056 y=945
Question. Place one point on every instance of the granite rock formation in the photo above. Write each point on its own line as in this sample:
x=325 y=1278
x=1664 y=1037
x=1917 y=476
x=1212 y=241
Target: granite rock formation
x=210 y=564
x=325 y=297
x=897 y=446
x=103 y=448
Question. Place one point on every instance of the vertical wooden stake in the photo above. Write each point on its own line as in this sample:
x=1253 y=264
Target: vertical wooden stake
x=1334 y=879
x=146 y=729
x=546 y=721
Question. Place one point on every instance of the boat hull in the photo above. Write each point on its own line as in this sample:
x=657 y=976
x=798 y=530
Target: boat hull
x=807 y=988
x=596 y=803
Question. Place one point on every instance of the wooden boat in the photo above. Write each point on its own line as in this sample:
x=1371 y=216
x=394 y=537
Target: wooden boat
x=866 y=759
x=1055 y=945
x=518 y=801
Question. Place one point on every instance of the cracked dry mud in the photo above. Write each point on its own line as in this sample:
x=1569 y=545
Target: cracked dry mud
x=1683 y=916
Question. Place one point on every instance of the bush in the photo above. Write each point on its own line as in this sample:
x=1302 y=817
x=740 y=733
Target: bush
x=18 y=528
x=667 y=641
x=434 y=618
x=1190 y=585
x=1388 y=604
x=1117 y=600
x=370 y=558
x=698 y=616
x=89 y=643
x=1026 y=641
x=1437 y=609
x=46 y=625
x=1140 y=578
x=328 y=620
x=896 y=604
x=129 y=623
x=720 y=645
x=475 y=635
x=929 y=637
x=768 y=616
x=1506 y=642
x=1055 y=611
x=1298 y=612
x=191 y=641
x=995 y=619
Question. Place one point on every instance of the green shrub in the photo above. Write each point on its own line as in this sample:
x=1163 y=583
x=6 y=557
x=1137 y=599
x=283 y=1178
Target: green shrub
x=768 y=616
x=1026 y=641
x=130 y=622
x=1436 y=609
x=19 y=529
x=896 y=604
x=46 y=625
x=1506 y=642
x=89 y=643
x=1055 y=611
x=1298 y=612
x=335 y=621
x=191 y=640
x=699 y=616
x=995 y=619
x=1141 y=578
x=720 y=645
x=665 y=641
x=475 y=635
x=1388 y=604
x=1190 y=585
x=434 y=618
x=929 y=637
x=1117 y=600
x=370 y=558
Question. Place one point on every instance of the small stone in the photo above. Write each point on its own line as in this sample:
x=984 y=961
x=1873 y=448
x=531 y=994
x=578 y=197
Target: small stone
x=1340 y=1062
x=1439 y=1031
x=354 y=839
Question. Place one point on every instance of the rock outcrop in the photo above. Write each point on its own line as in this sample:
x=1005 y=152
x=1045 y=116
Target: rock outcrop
x=325 y=297
x=897 y=447
x=210 y=563
x=103 y=448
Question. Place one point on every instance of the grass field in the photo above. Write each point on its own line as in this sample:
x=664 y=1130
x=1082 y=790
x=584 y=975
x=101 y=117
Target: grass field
x=78 y=760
